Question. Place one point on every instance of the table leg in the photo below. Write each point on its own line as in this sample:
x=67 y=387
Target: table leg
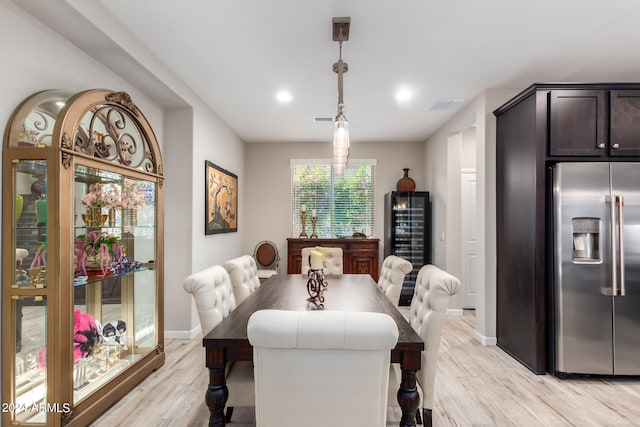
x=217 y=391
x=408 y=396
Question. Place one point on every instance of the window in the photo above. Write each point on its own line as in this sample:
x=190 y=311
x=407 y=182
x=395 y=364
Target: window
x=343 y=204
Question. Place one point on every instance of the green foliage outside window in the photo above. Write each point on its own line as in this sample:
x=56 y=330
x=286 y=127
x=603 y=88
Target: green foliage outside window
x=343 y=204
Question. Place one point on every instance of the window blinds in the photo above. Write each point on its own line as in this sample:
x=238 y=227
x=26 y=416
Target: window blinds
x=343 y=205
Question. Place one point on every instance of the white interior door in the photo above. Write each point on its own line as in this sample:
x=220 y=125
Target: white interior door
x=470 y=267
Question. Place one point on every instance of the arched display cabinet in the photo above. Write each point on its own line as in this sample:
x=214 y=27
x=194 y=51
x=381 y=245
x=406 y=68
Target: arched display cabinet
x=82 y=271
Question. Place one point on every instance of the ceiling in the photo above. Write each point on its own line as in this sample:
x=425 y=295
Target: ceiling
x=237 y=55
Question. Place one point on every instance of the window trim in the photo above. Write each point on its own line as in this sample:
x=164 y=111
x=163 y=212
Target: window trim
x=328 y=162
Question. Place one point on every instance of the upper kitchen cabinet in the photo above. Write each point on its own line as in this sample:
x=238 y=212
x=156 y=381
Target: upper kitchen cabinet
x=577 y=125
x=625 y=123
x=597 y=121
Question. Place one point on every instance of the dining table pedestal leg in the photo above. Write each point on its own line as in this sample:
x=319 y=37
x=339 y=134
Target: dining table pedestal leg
x=217 y=391
x=408 y=397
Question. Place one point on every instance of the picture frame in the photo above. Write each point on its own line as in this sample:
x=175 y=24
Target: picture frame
x=221 y=200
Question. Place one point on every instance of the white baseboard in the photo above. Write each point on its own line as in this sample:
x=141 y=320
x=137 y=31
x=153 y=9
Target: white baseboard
x=484 y=340
x=183 y=335
x=455 y=311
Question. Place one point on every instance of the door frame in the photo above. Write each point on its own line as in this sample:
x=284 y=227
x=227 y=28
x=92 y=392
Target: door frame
x=469 y=292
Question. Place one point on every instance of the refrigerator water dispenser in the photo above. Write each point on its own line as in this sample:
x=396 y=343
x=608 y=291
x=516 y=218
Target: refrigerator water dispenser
x=586 y=240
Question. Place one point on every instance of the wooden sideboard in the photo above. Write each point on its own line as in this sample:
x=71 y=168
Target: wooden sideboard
x=359 y=256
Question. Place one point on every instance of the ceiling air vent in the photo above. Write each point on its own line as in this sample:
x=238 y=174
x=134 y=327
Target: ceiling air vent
x=447 y=104
x=318 y=119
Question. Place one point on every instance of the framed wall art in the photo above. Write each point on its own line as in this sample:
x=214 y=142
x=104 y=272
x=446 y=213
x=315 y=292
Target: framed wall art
x=221 y=200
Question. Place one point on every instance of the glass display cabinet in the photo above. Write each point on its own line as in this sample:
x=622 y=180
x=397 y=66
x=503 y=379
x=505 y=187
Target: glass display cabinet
x=82 y=268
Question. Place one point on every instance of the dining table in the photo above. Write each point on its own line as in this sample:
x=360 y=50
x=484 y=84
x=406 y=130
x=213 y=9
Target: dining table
x=228 y=341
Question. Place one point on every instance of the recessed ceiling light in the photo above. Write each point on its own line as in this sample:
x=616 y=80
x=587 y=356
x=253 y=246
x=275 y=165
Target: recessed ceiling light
x=284 y=97
x=403 y=95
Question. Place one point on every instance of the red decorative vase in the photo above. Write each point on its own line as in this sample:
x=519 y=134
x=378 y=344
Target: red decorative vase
x=406 y=183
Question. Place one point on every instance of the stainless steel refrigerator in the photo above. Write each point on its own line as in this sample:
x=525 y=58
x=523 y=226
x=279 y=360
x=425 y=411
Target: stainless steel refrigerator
x=597 y=268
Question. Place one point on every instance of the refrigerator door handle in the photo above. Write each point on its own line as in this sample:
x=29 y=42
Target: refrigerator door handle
x=621 y=243
x=612 y=200
x=617 y=245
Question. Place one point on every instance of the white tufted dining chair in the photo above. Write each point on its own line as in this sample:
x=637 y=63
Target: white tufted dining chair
x=428 y=308
x=321 y=368
x=243 y=273
x=212 y=293
x=332 y=259
x=392 y=275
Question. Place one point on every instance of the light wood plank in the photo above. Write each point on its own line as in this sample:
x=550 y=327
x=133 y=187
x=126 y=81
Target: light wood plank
x=475 y=386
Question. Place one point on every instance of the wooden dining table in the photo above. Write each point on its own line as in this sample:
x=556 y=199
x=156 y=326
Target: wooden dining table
x=228 y=341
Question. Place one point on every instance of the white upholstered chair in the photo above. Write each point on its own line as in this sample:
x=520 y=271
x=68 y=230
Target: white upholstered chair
x=244 y=276
x=321 y=368
x=332 y=260
x=392 y=275
x=428 y=308
x=212 y=293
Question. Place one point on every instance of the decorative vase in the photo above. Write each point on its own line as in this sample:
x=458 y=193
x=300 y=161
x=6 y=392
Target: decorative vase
x=39 y=187
x=406 y=183
x=94 y=262
x=41 y=210
x=112 y=217
x=19 y=204
x=129 y=217
x=80 y=373
x=93 y=217
x=36 y=274
x=22 y=278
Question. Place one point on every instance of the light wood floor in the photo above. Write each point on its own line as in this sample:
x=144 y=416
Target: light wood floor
x=475 y=386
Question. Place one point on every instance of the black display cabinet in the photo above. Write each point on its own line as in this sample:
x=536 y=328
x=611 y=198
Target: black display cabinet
x=407 y=233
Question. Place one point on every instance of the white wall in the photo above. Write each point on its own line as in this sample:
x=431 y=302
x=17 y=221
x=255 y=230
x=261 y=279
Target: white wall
x=268 y=184
x=195 y=135
x=468 y=155
x=476 y=117
x=178 y=249
x=214 y=141
x=36 y=58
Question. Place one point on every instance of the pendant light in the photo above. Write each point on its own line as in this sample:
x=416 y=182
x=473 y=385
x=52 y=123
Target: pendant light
x=341 y=125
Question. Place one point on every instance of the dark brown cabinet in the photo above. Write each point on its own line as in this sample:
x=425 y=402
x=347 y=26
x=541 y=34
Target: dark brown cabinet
x=594 y=122
x=545 y=124
x=625 y=123
x=577 y=125
x=360 y=256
